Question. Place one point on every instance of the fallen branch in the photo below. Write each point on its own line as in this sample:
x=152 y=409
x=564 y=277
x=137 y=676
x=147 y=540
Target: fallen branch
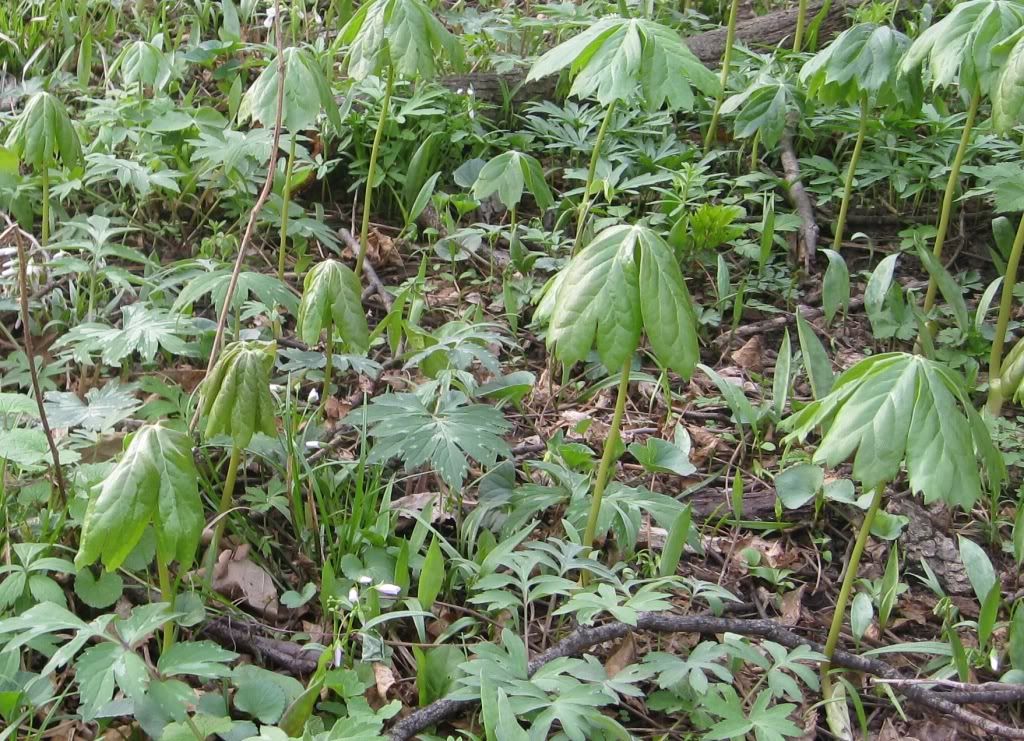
x=37 y=391
x=583 y=638
x=243 y=635
x=963 y=693
x=268 y=184
x=376 y=286
x=797 y=195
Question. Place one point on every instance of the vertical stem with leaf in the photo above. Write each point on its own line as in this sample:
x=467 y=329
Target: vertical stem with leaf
x=371 y=171
x=995 y=391
x=611 y=443
x=950 y=192
x=225 y=504
x=801 y=20
x=730 y=38
x=837 y=242
x=286 y=192
x=46 y=204
x=584 y=207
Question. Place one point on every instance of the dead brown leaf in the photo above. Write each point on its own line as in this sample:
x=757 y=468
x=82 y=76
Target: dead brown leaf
x=384 y=679
x=792 y=603
x=750 y=357
x=238 y=578
x=623 y=656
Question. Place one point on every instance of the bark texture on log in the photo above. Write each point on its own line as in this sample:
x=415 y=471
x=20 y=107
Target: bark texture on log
x=760 y=33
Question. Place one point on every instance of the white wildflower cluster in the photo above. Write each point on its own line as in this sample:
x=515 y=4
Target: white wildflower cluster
x=9 y=270
x=384 y=590
x=471 y=96
x=271 y=15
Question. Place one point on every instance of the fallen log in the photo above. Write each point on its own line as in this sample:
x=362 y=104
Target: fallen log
x=760 y=33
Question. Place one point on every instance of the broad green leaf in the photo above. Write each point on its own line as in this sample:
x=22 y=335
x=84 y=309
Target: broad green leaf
x=761 y=109
x=431 y=575
x=266 y=288
x=898 y=408
x=402 y=34
x=862 y=612
x=100 y=411
x=878 y=286
x=978 y=566
x=666 y=307
x=306 y=93
x=98 y=592
x=236 y=397
x=332 y=297
x=43 y=134
x=144 y=330
x=661 y=456
x=143 y=63
x=154 y=482
x=24 y=447
x=964 y=46
x=508 y=175
x=862 y=62
x=799 y=484
x=780 y=377
x=1008 y=92
x=836 y=288
x=816 y=360
x=616 y=58
x=948 y=286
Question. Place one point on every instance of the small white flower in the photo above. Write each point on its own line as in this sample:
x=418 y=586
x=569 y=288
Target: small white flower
x=314 y=396
x=276 y=388
x=366 y=580
x=353 y=595
x=271 y=15
x=8 y=251
x=313 y=444
x=337 y=655
x=459 y=91
x=388 y=590
x=472 y=114
x=470 y=91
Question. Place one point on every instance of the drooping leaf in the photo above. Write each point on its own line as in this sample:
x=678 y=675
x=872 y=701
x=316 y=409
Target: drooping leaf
x=898 y=408
x=617 y=58
x=43 y=134
x=403 y=34
x=332 y=296
x=155 y=482
x=306 y=93
x=1008 y=92
x=143 y=62
x=508 y=175
x=236 y=397
x=761 y=109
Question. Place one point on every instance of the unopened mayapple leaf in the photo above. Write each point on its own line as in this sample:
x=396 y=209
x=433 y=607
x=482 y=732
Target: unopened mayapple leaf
x=43 y=133
x=236 y=395
x=332 y=296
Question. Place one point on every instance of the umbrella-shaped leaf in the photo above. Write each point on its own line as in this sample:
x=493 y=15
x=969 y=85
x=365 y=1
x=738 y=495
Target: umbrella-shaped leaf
x=154 y=482
x=625 y=281
x=43 y=133
x=332 y=296
x=306 y=93
x=403 y=34
x=898 y=408
x=617 y=57
x=965 y=46
x=863 y=60
x=762 y=108
x=236 y=395
x=143 y=62
x=508 y=175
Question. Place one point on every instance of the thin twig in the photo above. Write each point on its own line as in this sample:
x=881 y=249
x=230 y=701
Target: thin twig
x=30 y=353
x=963 y=693
x=371 y=273
x=268 y=185
x=583 y=638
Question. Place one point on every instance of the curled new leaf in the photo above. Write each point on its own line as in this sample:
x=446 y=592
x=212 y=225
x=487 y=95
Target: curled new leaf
x=898 y=408
x=626 y=281
x=43 y=134
x=144 y=63
x=236 y=395
x=1008 y=92
x=155 y=482
x=618 y=57
x=331 y=296
x=306 y=92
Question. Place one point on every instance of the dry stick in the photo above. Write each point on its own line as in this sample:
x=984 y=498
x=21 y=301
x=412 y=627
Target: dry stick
x=371 y=274
x=655 y=622
x=268 y=185
x=964 y=692
x=30 y=355
x=796 y=192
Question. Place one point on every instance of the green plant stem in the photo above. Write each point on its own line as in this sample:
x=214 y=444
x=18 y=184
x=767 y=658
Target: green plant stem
x=947 y=198
x=584 y=209
x=801 y=19
x=995 y=361
x=329 y=366
x=371 y=171
x=837 y=242
x=46 y=206
x=167 y=595
x=839 y=615
x=730 y=37
x=225 y=504
x=286 y=194
x=623 y=9
x=610 y=444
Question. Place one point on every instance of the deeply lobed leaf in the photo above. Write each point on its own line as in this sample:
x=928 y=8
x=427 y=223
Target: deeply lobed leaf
x=236 y=395
x=332 y=298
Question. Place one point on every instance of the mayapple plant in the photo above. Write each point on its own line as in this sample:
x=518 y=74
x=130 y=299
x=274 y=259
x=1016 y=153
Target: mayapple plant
x=618 y=58
x=391 y=37
x=331 y=299
x=306 y=93
x=859 y=68
x=963 y=48
x=42 y=135
x=886 y=412
x=154 y=483
x=235 y=399
x=622 y=285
